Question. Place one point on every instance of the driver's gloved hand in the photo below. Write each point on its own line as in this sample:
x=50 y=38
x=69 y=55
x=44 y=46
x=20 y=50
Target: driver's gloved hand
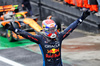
x=85 y=14
x=9 y=26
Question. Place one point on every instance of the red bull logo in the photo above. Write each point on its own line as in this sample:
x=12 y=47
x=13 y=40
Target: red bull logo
x=53 y=51
x=53 y=55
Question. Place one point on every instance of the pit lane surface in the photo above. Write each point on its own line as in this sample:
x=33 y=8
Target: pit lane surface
x=78 y=49
x=15 y=54
x=20 y=57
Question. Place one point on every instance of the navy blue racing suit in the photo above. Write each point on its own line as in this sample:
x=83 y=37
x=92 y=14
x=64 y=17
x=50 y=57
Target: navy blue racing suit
x=51 y=50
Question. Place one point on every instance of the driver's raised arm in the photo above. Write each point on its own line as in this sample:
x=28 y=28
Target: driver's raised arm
x=34 y=38
x=73 y=25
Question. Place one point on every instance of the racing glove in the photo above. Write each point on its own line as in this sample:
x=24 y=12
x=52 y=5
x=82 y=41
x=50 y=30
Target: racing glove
x=85 y=14
x=11 y=27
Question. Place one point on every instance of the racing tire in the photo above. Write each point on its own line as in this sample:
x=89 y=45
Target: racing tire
x=11 y=35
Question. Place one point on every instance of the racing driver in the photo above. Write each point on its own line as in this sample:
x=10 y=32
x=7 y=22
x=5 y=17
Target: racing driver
x=50 y=40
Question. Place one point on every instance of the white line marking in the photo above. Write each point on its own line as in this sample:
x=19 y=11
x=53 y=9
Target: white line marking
x=10 y=61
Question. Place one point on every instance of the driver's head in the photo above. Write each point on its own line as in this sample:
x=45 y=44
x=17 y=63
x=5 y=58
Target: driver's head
x=18 y=16
x=49 y=28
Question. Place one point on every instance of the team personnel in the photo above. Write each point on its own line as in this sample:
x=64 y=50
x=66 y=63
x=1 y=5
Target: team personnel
x=26 y=4
x=50 y=40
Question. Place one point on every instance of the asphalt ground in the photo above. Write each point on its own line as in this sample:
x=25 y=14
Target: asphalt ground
x=18 y=54
x=21 y=57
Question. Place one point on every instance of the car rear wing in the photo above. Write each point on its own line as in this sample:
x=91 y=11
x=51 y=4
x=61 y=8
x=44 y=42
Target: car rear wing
x=8 y=8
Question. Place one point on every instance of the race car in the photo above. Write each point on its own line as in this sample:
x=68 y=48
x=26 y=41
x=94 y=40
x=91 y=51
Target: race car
x=21 y=21
x=5 y=12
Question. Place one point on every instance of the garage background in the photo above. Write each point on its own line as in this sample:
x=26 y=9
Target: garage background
x=63 y=12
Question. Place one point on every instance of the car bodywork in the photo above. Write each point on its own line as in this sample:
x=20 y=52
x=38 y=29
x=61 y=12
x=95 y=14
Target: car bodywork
x=19 y=20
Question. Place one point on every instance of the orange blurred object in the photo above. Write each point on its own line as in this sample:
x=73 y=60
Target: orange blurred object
x=86 y=5
x=79 y=3
x=94 y=8
x=67 y=1
x=72 y=2
x=7 y=8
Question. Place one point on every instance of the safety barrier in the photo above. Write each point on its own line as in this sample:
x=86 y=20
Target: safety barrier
x=82 y=3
